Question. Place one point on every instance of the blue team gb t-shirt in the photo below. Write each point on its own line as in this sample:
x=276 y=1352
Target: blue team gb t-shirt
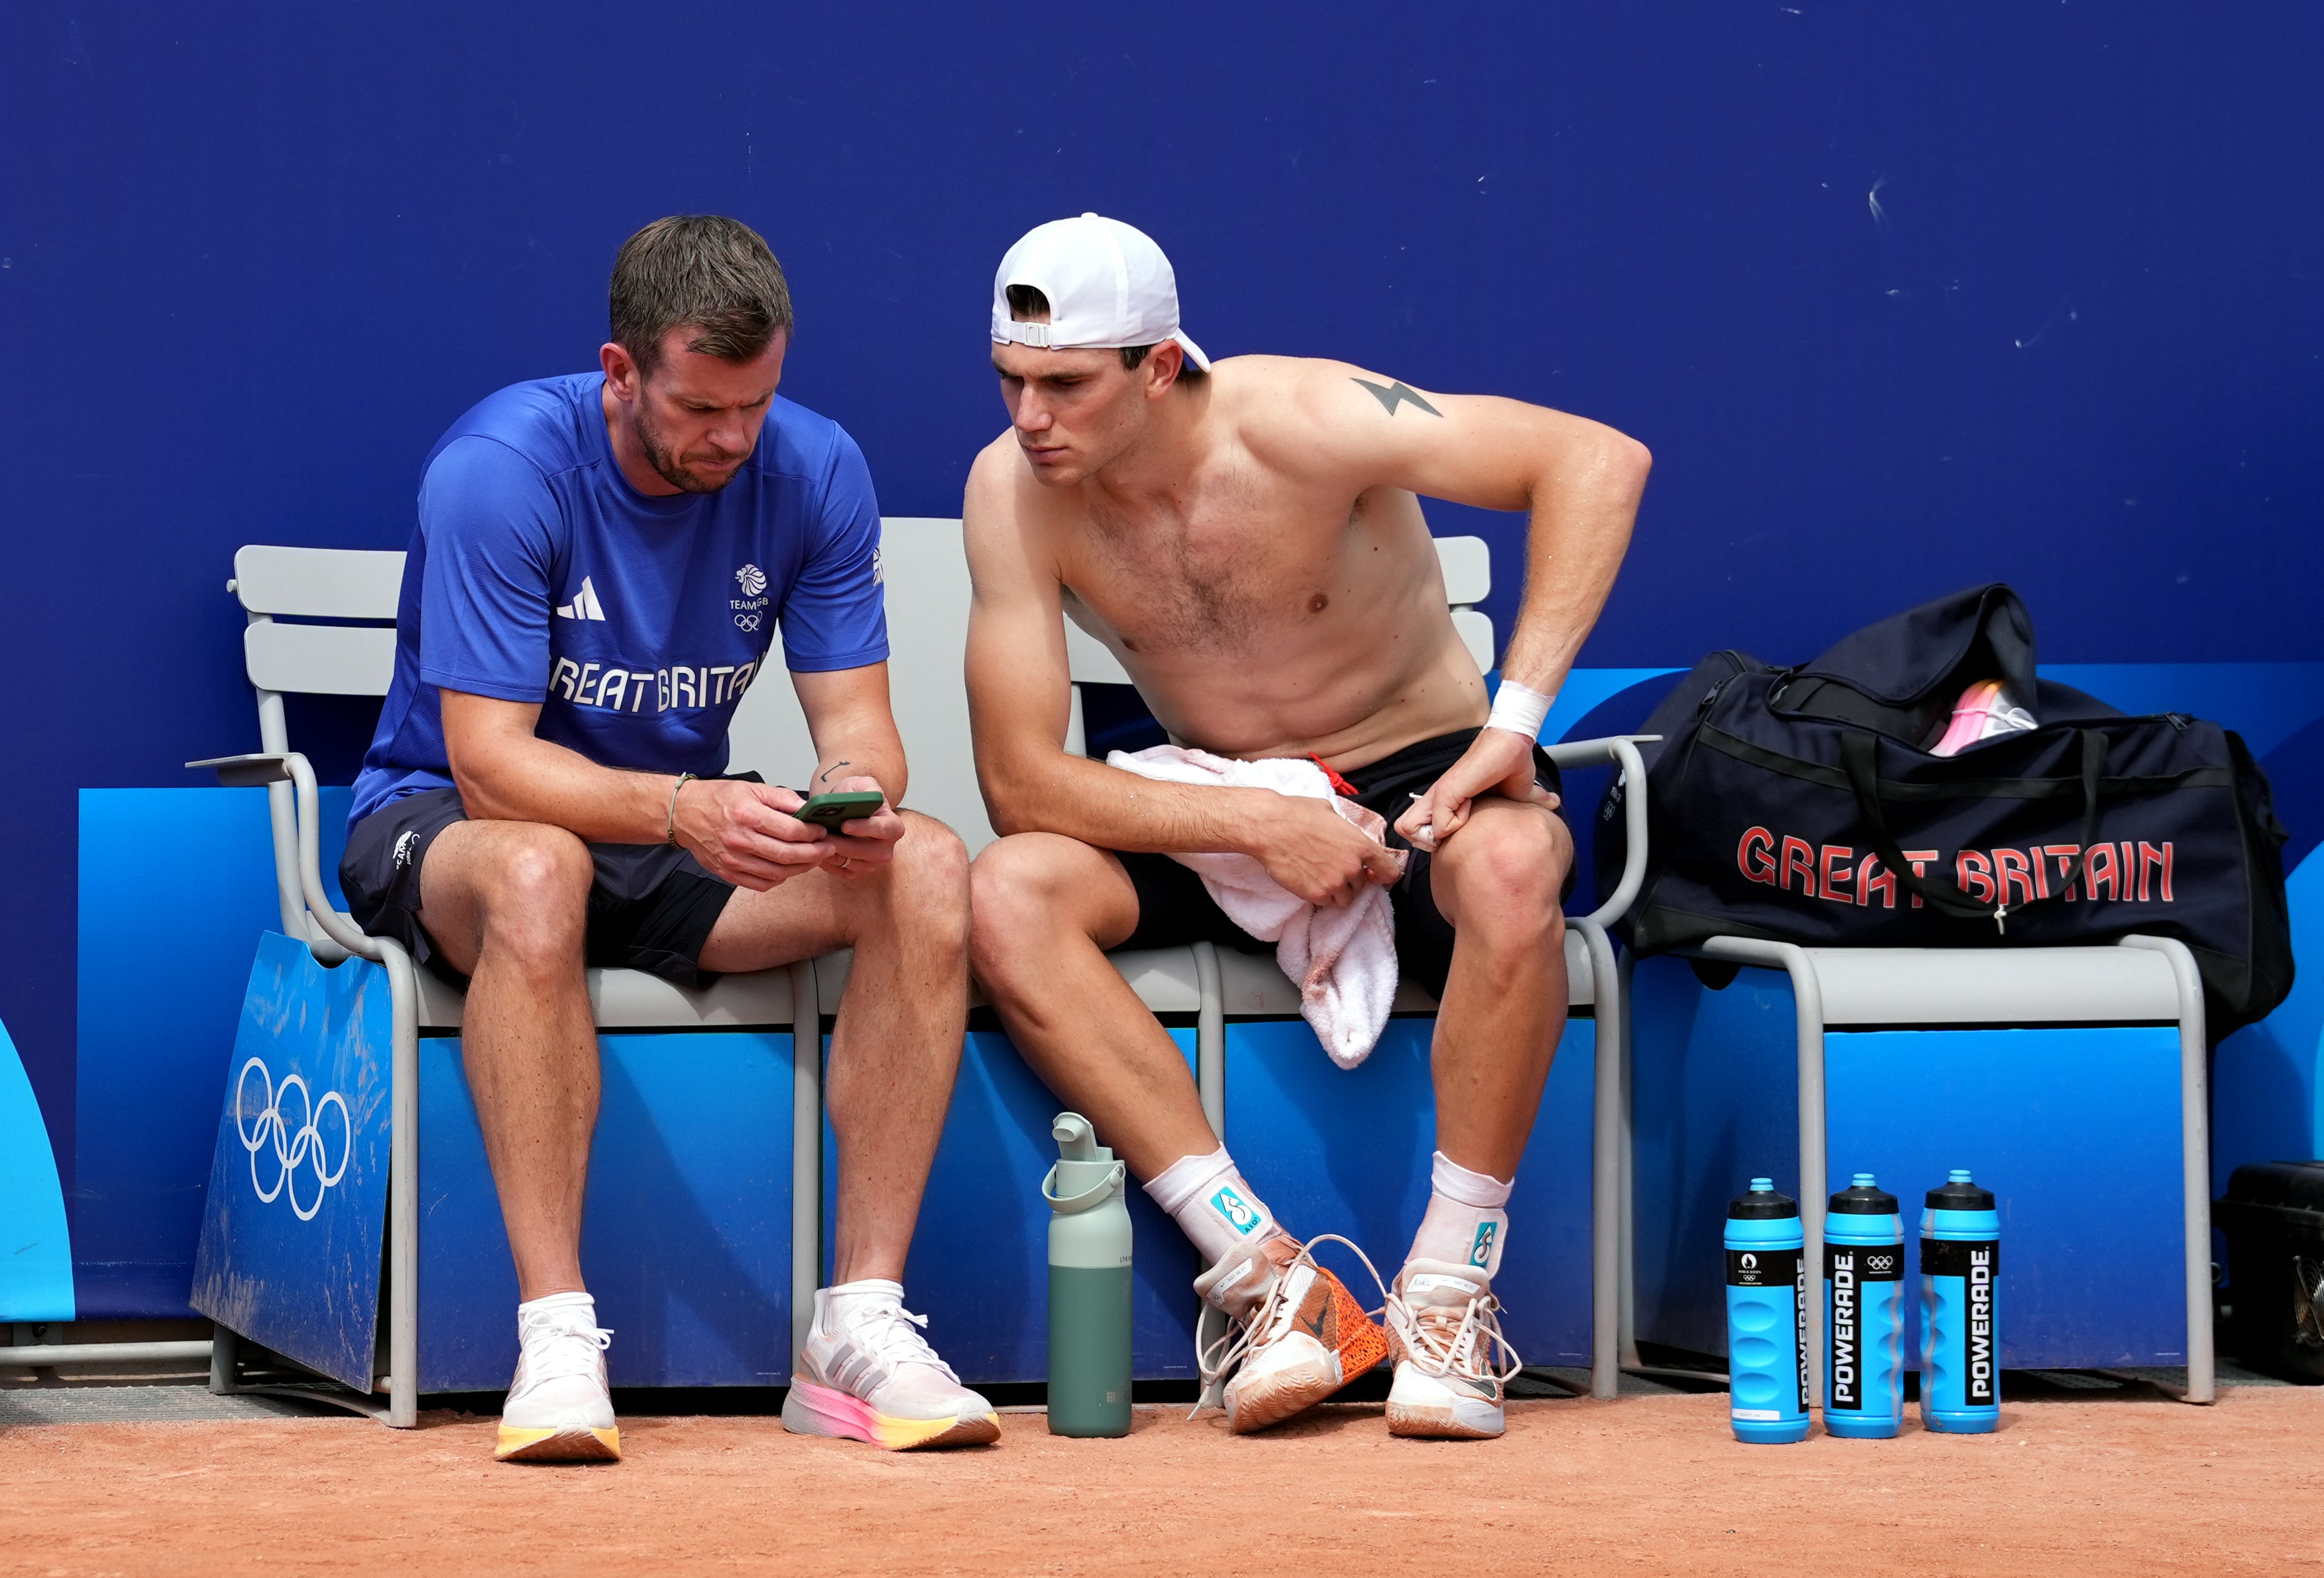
x=538 y=573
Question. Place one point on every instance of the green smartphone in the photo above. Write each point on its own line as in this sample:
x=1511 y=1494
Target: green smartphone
x=828 y=811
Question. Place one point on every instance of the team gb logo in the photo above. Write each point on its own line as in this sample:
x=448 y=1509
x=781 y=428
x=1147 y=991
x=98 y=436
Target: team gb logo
x=753 y=580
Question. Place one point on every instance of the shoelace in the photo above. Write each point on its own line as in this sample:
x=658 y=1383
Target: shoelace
x=563 y=1347
x=1463 y=1352
x=1215 y=1358
x=891 y=1335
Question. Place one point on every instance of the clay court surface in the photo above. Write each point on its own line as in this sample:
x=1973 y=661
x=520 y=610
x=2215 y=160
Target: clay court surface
x=1647 y=1484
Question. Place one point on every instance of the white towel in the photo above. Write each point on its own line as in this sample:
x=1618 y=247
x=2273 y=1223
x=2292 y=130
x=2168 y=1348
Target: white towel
x=1341 y=957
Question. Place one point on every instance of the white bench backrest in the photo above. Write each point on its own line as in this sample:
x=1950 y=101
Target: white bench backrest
x=318 y=583
x=928 y=591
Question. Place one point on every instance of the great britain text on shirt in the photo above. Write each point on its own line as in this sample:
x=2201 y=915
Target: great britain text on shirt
x=626 y=690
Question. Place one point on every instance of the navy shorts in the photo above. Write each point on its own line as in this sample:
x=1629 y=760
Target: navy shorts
x=1173 y=907
x=650 y=908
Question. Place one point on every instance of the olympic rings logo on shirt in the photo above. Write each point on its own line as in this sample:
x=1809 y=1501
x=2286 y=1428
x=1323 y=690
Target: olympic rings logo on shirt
x=293 y=1147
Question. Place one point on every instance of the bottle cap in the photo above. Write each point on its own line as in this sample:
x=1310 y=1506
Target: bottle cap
x=1077 y=1141
x=1863 y=1198
x=1762 y=1203
x=1960 y=1194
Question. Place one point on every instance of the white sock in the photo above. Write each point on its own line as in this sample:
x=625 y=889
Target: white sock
x=549 y=1301
x=1465 y=1223
x=848 y=1302
x=1209 y=1199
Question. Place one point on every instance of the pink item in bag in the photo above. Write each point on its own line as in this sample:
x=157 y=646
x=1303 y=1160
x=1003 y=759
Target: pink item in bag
x=1984 y=711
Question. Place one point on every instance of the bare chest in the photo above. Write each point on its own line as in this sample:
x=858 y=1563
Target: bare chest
x=1234 y=574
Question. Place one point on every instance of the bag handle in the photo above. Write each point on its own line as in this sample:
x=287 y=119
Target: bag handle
x=1856 y=754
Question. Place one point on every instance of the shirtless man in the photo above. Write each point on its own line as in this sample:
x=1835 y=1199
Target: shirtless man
x=1246 y=539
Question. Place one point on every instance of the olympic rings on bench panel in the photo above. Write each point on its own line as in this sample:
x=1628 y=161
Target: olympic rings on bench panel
x=293 y=1147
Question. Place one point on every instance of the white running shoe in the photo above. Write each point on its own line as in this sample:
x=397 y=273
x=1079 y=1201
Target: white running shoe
x=875 y=1378
x=1293 y=1334
x=558 y=1409
x=1445 y=1331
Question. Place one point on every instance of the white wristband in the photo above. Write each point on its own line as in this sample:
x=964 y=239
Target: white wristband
x=1518 y=710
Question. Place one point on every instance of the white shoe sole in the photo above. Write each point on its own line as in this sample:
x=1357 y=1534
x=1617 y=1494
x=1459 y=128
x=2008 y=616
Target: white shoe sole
x=1463 y=1420
x=1290 y=1387
x=1425 y=1408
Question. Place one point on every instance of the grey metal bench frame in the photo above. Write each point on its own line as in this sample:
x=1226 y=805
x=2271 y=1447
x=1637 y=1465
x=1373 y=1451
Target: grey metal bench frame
x=2142 y=979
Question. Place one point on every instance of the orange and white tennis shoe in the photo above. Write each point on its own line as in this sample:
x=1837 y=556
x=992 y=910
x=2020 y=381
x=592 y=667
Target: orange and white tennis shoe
x=1293 y=1334
x=558 y=1408
x=867 y=1374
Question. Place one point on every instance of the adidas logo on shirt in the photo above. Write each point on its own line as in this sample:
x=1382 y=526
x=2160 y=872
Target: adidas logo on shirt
x=584 y=604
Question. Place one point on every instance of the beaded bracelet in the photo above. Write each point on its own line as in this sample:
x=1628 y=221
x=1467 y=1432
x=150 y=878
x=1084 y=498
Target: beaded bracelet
x=683 y=780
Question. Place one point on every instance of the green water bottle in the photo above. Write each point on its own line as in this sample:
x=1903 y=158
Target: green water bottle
x=1089 y=1285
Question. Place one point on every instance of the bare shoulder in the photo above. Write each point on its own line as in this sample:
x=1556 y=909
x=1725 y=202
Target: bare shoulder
x=1006 y=523
x=1266 y=391
x=1296 y=412
x=994 y=505
x=993 y=474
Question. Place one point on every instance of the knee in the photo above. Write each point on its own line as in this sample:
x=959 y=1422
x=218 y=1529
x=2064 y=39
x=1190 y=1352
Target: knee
x=1015 y=887
x=1507 y=873
x=539 y=897
x=930 y=875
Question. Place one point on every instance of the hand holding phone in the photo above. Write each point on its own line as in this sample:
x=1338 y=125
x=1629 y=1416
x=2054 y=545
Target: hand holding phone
x=832 y=807
x=858 y=803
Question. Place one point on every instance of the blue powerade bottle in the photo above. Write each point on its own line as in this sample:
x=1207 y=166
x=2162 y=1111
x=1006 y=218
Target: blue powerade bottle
x=1767 y=1317
x=1864 y=1312
x=1960 y=1355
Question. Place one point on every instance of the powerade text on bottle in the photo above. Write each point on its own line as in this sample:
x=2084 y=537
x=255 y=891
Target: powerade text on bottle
x=1864 y=1312
x=1767 y=1317
x=1961 y=1352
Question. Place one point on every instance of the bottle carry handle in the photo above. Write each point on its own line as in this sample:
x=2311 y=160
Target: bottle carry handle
x=1096 y=1194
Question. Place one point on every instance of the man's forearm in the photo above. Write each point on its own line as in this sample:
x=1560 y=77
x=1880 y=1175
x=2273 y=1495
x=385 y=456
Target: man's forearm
x=1109 y=809
x=1574 y=549
x=881 y=761
x=531 y=779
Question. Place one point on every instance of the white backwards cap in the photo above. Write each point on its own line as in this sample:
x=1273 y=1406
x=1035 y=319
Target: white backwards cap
x=1108 y=286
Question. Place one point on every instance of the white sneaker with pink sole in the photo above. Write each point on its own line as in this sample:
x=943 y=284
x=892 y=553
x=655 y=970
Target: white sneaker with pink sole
x=867 y=1374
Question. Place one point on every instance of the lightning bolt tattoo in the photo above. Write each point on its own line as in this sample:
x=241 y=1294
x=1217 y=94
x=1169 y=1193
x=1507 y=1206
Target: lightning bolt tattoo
x=1394 y=394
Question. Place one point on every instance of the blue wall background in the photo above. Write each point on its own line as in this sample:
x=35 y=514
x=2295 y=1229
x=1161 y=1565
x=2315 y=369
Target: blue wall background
x=1902 y=297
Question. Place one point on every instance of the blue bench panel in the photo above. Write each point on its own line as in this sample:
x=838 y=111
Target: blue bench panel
x=295 y=1213
x=1348 y=1152
x=2075 y=1129
x=979 y=1267
x=686 y=1238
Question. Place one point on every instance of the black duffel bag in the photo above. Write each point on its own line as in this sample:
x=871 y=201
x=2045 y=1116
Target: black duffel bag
x=1804 y=805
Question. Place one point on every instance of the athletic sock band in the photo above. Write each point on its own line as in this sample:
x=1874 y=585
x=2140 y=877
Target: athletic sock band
x=1455 y=1182
x=556 y=1301
x=1210 y=1201
x=1465 y=1223
x=849 y=1302
x=1183 y=1179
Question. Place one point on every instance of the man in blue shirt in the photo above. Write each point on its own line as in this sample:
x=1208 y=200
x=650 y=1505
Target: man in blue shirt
x=600 y=565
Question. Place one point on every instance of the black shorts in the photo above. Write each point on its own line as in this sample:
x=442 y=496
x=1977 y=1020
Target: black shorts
x=1173 y=907
x=650 y=908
